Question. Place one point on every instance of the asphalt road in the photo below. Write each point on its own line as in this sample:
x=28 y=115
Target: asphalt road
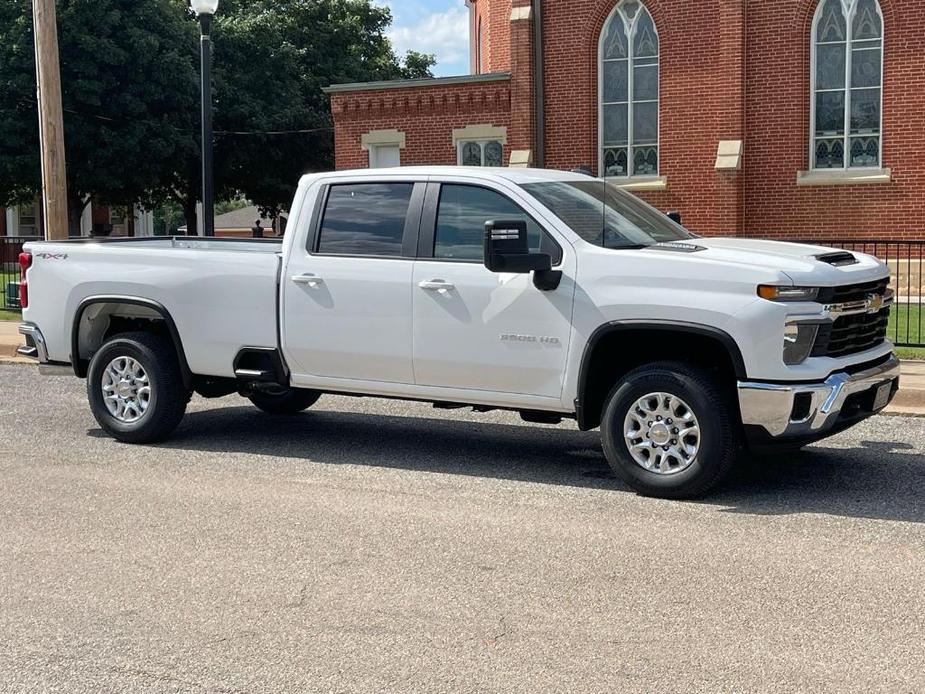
x=375 y=546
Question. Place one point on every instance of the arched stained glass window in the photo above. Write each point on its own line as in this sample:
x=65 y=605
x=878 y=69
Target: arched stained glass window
x=847 y=84
x=628 y=74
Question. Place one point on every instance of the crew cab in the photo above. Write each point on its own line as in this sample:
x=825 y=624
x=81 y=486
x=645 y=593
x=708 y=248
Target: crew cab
x=552 y=294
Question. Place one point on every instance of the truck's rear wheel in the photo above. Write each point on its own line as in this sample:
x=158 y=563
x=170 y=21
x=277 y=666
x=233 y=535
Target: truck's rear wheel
x=136 y=389
x=292 y=401
x=669 y=430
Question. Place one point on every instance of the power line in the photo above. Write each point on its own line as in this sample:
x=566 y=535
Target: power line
x=108 y=119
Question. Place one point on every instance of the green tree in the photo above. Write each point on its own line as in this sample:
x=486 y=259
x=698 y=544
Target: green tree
x=272 y=60
x=130 y=88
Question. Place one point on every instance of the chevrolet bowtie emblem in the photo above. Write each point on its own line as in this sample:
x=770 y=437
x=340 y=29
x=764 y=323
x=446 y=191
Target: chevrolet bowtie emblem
x=874 y=303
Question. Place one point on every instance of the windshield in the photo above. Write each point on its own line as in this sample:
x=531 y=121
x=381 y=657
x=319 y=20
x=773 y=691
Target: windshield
x=603 y=214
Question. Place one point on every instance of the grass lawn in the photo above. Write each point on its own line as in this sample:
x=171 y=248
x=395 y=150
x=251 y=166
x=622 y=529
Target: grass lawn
x=910 y=320
x=7 y=276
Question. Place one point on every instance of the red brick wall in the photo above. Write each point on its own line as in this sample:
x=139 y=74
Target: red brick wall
x=700 y=99
x=523 y=131
x=495 y=16
x=426 y=114
x=778 y=83
x=499 y=36
x=723 y=77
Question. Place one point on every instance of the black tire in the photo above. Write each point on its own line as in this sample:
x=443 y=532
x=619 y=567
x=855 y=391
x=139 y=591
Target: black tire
x=715 y=413
x=168 y=398
x=293 y=401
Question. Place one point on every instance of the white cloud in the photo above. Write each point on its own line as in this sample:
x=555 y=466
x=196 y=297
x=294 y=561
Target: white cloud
x=445 y=34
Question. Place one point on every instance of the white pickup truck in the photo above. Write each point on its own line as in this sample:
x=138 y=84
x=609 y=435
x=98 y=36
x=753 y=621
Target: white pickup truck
x=552 y=294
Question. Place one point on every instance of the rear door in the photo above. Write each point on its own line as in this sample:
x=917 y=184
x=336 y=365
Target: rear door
x=347 y=292
x=479 y=330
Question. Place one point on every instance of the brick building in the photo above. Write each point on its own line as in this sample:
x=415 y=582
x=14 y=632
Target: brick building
x=787 y=118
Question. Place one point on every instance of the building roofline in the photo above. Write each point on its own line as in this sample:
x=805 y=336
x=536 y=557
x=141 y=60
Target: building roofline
x=426 y=82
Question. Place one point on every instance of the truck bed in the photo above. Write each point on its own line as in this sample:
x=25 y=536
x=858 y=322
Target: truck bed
x=221 y=293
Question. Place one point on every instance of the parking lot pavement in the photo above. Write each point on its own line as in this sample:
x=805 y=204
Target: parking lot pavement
x=381 y=546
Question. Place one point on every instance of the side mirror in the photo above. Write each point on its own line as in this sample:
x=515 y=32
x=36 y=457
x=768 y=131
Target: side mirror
x=508 y=250
x=675 y=217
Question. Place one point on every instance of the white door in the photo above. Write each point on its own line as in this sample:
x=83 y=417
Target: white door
x=475 y=329
x=347 y=295
x=384 y=156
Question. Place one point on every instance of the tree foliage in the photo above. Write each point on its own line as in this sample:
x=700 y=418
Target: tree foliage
x=127 y=82
x=130 y=88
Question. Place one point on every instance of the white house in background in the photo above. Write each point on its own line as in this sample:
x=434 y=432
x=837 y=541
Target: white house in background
x=26 y=220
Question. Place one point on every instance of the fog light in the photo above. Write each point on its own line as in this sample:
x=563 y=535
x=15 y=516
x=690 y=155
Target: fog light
x=799 y=339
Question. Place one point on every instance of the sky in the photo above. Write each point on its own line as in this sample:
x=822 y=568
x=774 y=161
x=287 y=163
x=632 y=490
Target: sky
x=440 y=27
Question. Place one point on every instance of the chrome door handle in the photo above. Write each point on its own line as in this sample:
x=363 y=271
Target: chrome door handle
x=437 y=285
x=309 y=279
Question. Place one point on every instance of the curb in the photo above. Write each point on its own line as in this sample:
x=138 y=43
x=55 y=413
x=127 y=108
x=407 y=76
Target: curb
x=9 y=361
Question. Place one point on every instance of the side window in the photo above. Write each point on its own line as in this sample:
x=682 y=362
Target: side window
x=461 y=218
x=365 y=219
x=480 y=153
x=847 y=77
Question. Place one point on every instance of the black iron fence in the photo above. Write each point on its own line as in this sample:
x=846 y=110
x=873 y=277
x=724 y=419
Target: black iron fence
x=906 y=260
x=907 y=270
x=10 y=248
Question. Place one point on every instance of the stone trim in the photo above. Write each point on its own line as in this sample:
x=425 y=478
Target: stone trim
x=729 y=155
x=518 y=13
x=521 y=159
x=383 y=137
x=641 y=183
x=844 y=177
x=427 y=82
x=480 y=132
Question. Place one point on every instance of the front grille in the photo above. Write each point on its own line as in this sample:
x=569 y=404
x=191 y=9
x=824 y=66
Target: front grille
x=852 y=292
x=852 y=334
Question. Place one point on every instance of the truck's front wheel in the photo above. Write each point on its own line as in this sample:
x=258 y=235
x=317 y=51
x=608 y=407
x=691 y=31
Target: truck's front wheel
x=669 y=430
x=136 y=389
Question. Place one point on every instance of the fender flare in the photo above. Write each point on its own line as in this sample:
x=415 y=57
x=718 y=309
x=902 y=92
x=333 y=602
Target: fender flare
x=80 y=369
x=724 y=338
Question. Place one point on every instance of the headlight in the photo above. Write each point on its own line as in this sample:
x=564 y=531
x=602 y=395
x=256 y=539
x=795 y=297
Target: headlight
x=799 y=339
x=773 y=293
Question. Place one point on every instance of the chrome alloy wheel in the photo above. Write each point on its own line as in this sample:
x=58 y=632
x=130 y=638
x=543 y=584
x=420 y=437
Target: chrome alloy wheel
x=662 y=433
x=126 y=389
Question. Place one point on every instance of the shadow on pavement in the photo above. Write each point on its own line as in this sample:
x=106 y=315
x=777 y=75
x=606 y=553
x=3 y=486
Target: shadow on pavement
x=879 y=480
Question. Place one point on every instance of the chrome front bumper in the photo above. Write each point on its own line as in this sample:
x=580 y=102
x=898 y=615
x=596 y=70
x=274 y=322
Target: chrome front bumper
x=806 y=409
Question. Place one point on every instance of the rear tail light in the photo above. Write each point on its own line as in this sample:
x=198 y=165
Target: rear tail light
x=25 y=262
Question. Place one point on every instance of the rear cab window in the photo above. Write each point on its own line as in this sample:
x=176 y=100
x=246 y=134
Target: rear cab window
x=365 y=219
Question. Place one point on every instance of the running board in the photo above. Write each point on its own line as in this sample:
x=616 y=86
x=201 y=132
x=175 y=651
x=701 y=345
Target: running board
x=254 y=375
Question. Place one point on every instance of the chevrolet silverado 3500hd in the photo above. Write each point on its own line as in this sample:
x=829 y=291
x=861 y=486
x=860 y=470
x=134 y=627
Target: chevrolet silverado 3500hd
x=553 y=294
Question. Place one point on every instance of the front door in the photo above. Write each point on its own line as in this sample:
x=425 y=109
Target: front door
x=479 y=330
x=347 y=294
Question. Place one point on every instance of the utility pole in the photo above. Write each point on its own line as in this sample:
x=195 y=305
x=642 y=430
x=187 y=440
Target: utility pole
x=204 y=10
x=51 y=120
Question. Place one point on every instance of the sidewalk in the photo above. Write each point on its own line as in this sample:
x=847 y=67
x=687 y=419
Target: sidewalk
x=909 y=400
x=10 y=339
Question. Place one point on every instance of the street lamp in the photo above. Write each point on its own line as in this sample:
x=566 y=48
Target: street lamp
x=204 y=10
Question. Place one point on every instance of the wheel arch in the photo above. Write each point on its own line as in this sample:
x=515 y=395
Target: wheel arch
x=596 y=377
x=146 y=309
